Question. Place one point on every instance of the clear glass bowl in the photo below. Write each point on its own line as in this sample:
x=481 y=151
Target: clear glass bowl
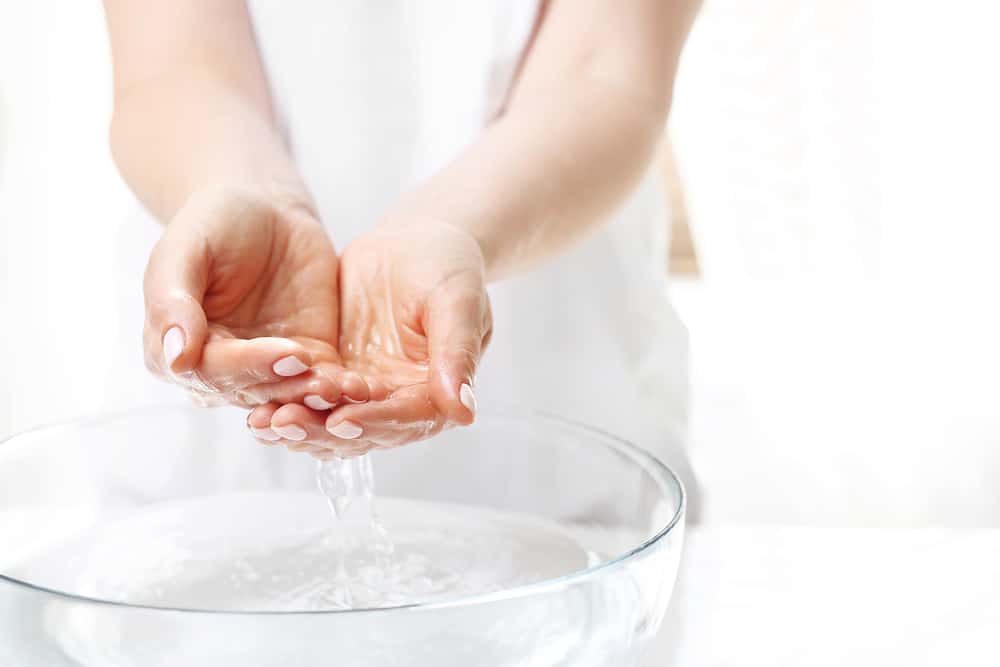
x=63 y=481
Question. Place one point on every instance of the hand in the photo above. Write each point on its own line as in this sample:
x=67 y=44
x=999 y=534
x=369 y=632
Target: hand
x=241 y=292
x=415 y=319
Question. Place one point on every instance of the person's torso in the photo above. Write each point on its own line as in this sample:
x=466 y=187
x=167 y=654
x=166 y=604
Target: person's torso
x=376 y=96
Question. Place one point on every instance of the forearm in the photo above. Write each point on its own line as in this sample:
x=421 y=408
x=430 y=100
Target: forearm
x=193 y=110
x=579 y=131
x=547 y=172
x=189 y=131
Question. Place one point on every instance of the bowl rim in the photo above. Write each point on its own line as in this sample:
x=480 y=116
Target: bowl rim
x=660 y=472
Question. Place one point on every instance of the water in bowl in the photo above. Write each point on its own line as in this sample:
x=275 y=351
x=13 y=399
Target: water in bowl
x=286 y=551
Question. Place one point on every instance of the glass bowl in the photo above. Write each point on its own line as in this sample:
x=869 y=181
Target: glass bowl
x=64 y=482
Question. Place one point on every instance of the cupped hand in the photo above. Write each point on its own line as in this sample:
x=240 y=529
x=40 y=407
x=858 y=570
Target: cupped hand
x=241 y=292
x=414 y=319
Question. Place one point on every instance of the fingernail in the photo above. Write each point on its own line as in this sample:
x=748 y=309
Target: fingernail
x=467 y=397
x=289 y=367
x=346 y=430
x=265 y=434
x=173 y=345
x=291 y=432
x=316 y=402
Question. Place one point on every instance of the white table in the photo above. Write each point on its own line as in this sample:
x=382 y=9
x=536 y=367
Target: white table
x=777 y=595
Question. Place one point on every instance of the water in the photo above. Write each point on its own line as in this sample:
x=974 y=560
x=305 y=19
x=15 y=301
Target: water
x=365 y=554
x=284 y=551
x=344 y=480
x=281 y=551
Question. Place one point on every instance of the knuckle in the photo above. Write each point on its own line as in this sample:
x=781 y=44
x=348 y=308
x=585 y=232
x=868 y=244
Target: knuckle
x=249 y=397
x=484 y=318
x=320 y=385
x=466 y=356
x=152 y=363
x=204 y=399
x=487 y=338
x=258 y=375
x=157 y=313
x=197 y=381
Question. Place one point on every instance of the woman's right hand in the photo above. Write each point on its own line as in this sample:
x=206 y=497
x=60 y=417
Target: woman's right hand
x=241 y=292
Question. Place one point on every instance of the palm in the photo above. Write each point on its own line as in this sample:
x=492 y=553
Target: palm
x=405 y=293
x=383 y=303
x=274 y=277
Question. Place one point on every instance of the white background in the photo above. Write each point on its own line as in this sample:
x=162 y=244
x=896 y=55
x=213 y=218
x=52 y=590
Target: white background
x=841 y=160
x=60 y=205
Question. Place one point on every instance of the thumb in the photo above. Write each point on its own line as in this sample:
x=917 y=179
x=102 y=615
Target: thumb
x=456 y=321
x=174 y=286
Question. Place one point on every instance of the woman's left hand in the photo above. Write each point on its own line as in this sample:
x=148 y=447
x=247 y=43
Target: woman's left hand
x=414 y=314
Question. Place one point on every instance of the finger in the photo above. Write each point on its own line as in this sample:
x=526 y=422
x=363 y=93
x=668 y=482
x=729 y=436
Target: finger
x=173 y=287
x=353 y=386
x=298 y=423
x=408 y=415
x=304 y=447
x=259 y=423
x=359 y=449
x=377 y=389
x=197 y=395
x=312 y=389
x=320 y=389
x=455 y=322
x=228 y=364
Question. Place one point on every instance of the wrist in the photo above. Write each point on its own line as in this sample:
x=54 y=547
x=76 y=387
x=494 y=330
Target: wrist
x=441 y=228
x=289 y=201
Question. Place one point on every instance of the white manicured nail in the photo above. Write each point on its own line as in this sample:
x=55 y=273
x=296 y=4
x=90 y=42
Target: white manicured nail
x=291 y=432
x=467 y=397
x=346 y=430
x=289 y=367
x=316 y=402
x=265 y=434
x=173 y=345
